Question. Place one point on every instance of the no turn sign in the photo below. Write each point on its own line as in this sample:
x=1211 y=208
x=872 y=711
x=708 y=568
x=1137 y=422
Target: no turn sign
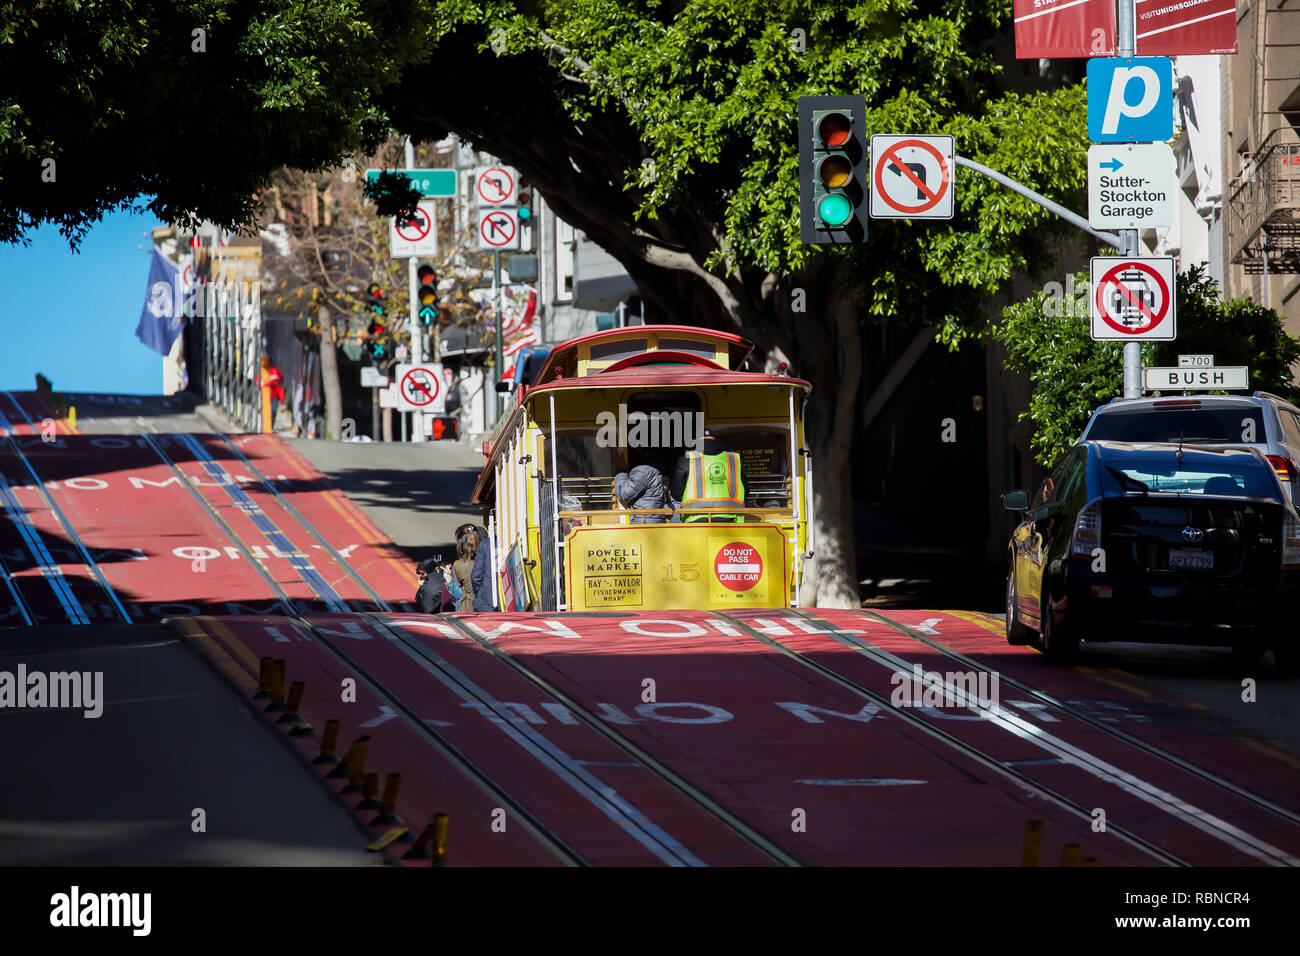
x=1133 y=299
x=911 y=177
x=419 y=388
x=498 y=228
x=415 y=236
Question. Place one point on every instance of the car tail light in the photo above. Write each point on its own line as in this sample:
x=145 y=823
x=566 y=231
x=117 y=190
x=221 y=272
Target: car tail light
x=1087 y=531
x=1285 y=467
x=1290 y=542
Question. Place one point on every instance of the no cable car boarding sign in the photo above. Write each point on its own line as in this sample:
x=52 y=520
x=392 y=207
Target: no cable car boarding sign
x=1132 y=299
x=911 y=177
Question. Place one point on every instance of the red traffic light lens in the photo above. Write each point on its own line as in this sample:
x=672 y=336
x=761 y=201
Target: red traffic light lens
x=834 y=129
x=427 y=275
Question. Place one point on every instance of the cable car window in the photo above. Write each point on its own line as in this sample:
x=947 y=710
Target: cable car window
x=703 y=349
x=614 y=351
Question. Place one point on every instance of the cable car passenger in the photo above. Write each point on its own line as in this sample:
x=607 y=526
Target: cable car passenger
x=709 y=479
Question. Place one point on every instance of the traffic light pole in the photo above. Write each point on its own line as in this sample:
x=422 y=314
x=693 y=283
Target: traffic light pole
x=1129 y=237
x=413 y=320
x=496 y=307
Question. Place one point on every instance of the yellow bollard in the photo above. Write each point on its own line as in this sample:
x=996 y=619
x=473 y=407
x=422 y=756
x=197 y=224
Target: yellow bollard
x=369 y=792
x=265 y=678
x=420 y=850
x=72 y=416
x=1033 y=842
x=440 y=839
x=291 y=716
x=1070 y=854
x=328 y=743
x=356 y=765
x=388 y=805
x=277 y=686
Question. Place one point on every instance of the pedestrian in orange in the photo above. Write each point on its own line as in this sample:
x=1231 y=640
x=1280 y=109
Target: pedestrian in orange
x=272 y=392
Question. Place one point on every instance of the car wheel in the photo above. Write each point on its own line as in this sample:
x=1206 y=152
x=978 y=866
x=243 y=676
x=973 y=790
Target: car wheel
x=1017 y=632
x=1246 y=653
x=1060 y=643
x=1286 y=660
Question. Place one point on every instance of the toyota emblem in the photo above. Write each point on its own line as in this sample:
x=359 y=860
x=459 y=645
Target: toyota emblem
x=1193 y=534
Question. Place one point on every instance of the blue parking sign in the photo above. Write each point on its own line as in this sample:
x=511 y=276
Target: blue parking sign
x=1131 y=99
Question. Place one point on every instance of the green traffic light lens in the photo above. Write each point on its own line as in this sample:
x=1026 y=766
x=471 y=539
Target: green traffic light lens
x=525 y=213
x=835 y=209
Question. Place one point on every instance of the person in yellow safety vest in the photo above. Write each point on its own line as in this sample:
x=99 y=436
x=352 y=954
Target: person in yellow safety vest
x=709 y=478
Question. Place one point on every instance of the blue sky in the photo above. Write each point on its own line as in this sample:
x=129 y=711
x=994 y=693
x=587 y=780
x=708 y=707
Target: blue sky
x=72 y=316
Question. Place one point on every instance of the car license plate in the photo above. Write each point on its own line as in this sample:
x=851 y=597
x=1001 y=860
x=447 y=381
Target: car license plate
x=1191 y=559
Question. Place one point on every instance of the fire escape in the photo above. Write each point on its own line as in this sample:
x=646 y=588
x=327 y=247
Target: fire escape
x=1264 y=209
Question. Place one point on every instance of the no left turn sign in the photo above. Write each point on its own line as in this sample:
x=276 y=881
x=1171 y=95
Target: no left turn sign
x=1132 y=299
x=911 y=177
x=495 y=185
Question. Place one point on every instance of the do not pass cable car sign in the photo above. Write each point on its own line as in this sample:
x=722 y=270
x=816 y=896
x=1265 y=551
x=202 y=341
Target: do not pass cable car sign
x=1132 y=299
x=911 y=177
x=419 y=388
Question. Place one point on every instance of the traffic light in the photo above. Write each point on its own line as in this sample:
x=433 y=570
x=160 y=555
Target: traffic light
x=427 y=295
x=375 y=298
x=834 y=171
x=380 y=348
x=445 y=426
x=525 y=202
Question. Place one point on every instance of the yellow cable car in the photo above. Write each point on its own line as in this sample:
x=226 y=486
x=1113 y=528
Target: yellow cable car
x=563 y=540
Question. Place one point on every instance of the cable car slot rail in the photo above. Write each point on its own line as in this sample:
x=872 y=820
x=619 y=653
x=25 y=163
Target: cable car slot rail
x=1160 y=799
x=971 y=752
x=1173 y=759
x=637 y=753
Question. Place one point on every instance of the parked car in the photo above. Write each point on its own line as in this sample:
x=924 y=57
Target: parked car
x=1261 y=420
x=1156 y=543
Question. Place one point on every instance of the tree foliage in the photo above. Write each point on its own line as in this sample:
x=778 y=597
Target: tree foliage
x=1047 y=336
x=665 y=130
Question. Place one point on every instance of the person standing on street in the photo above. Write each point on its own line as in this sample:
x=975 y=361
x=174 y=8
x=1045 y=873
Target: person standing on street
x=272 y=384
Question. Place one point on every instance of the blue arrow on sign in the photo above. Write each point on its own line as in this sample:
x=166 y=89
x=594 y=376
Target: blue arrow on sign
x=1113 y=165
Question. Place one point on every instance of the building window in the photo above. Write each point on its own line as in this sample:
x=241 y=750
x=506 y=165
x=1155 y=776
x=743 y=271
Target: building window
x=564 y=253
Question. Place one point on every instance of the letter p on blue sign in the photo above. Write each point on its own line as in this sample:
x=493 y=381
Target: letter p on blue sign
x=1131 y=99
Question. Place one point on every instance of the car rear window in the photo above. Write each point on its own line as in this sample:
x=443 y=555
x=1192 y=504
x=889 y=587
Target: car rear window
x=1229 y=424
x=1165 y=476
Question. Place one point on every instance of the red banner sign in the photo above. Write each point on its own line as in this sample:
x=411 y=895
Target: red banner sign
x=1172 y=27
x=1064 y=28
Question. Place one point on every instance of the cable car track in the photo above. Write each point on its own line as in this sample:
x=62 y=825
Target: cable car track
x=603 y=798
x=49 y=569
x=971 y=752
x=1157 y=752
x=1221 y=830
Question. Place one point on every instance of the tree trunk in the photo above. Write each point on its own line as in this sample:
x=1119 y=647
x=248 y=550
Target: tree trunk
x=329 y=375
